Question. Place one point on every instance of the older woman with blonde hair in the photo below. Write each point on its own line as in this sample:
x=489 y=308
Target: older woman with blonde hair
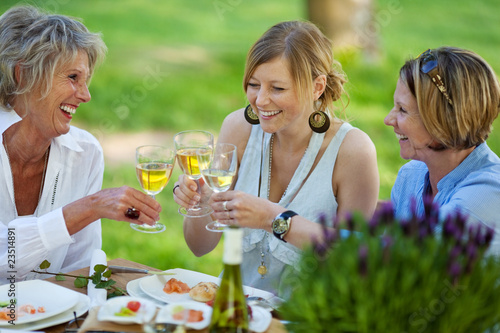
x=444 y=106
x=51 y=200
x=297 y=162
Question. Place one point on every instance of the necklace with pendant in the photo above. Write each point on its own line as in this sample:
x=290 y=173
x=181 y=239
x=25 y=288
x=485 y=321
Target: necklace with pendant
x=46 y=157
x=262 y=269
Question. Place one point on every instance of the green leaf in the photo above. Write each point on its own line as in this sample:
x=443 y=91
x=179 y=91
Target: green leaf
x=81 y=282
x=99 y=268
x=96 y=278
x=45 y=264
x=105 y=284
x=116 y=293
x=107 y=274
x=60 y=277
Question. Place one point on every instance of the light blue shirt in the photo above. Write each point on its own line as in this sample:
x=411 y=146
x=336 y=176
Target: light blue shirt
x=472 y=188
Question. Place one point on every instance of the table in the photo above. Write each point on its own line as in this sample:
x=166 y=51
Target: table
x=121 y=281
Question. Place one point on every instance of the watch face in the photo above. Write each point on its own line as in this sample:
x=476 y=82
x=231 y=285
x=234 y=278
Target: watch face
x=280 y=226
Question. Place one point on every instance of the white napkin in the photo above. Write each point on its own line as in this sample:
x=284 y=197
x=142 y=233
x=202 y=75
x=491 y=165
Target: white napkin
x=97 y=295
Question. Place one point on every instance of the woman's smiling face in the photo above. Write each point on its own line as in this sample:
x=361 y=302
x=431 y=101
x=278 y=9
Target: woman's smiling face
x=53 y=113
x=414 y=139
x=271 y=92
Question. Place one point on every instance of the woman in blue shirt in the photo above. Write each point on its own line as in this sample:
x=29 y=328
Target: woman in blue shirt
x=444 y=105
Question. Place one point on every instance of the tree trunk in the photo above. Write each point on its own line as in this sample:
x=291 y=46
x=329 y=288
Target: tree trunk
x=348 y=23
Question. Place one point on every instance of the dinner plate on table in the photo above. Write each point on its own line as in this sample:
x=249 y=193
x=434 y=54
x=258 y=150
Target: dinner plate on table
x=82 y=306
x=134 y=290
x=167 y=314
x=112 y=310
x=47 y=300
x=260 y=321
x=153 y=285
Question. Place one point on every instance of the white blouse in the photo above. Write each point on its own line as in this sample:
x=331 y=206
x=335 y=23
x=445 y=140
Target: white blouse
x=75 y=169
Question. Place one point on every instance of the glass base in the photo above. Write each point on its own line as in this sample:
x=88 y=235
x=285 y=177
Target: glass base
x=149 y=229
x=216 y=226
x=201 y=211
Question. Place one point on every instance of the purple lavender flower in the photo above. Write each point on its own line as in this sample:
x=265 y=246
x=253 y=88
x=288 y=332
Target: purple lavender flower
x=363 y=260
x=350 y=221
x=455 y=251
x=386 y=213
x=471 y=251
x=406 y=227
x=488 y=237
x=460 y=220
x=320 y=248
x=454 y=270
x=449 y=228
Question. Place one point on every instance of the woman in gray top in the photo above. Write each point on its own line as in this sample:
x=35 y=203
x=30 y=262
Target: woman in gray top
x=296 y=162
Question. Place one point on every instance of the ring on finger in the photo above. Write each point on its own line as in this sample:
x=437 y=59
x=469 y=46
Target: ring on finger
x=175 y=187
x=224 y=206
x=132 y=213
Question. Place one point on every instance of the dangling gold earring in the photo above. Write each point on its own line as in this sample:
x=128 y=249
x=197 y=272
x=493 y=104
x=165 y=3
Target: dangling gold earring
x=319 y=122
x=250 y=116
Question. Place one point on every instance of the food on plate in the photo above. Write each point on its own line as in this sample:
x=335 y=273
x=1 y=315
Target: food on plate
x=175 y=286
x=4 y=304
x=193 y=316
x=204 y=291
x=27 y=308
x=134 y=305
x=130 y=310
x=4 y=314
x=125 y=312
x=7 y=314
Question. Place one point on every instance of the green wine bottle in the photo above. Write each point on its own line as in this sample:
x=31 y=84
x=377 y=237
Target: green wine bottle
x=230 y=312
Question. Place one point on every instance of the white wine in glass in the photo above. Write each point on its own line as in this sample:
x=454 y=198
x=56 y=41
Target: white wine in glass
x=154 y=166
x=218 y=171
x=187 y=143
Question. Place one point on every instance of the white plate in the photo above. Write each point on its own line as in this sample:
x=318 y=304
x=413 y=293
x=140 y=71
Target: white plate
x=165 y=315
x=261 y=319
x=80 y=308
x=39 y=293
x=153 y=285
x=134 y=290
x=108 y=310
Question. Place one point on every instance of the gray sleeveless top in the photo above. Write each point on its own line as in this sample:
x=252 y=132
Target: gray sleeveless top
x=311 y=199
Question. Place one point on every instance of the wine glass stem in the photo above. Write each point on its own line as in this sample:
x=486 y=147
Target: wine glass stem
x=198 y=190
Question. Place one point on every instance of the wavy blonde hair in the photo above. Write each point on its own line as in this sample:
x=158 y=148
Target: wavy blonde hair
x=473 y=89
x=40 y=43
x=309 y=54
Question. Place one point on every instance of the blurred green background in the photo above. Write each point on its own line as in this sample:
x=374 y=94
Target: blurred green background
x=176 y=65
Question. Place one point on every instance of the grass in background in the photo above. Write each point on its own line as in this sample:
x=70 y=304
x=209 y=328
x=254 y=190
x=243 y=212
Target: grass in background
x=176 y=65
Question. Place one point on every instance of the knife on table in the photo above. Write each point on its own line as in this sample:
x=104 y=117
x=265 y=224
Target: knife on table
x=123 y=269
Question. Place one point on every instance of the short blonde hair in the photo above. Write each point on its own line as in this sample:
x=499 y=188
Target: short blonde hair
x=473 y=89
x=39 y=43
x=309 y=54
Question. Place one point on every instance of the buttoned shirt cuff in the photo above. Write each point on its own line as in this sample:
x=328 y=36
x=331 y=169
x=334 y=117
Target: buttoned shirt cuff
x=53 y=231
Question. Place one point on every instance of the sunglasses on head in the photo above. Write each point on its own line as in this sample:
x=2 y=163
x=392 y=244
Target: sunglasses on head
x=429 y=66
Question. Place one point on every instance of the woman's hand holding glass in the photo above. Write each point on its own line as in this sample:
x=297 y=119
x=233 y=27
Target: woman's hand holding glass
x=189 y=145
x=154 y=166
x=218 y=170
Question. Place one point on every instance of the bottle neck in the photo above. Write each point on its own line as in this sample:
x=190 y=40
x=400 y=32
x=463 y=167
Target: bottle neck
x=232 y=246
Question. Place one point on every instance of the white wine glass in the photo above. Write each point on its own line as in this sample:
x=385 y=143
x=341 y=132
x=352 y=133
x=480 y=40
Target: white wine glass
x=153 y=168
x=187 y=143
x=218 y=171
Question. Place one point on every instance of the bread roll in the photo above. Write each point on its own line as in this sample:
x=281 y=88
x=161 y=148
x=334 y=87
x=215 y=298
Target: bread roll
x=204 y=291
